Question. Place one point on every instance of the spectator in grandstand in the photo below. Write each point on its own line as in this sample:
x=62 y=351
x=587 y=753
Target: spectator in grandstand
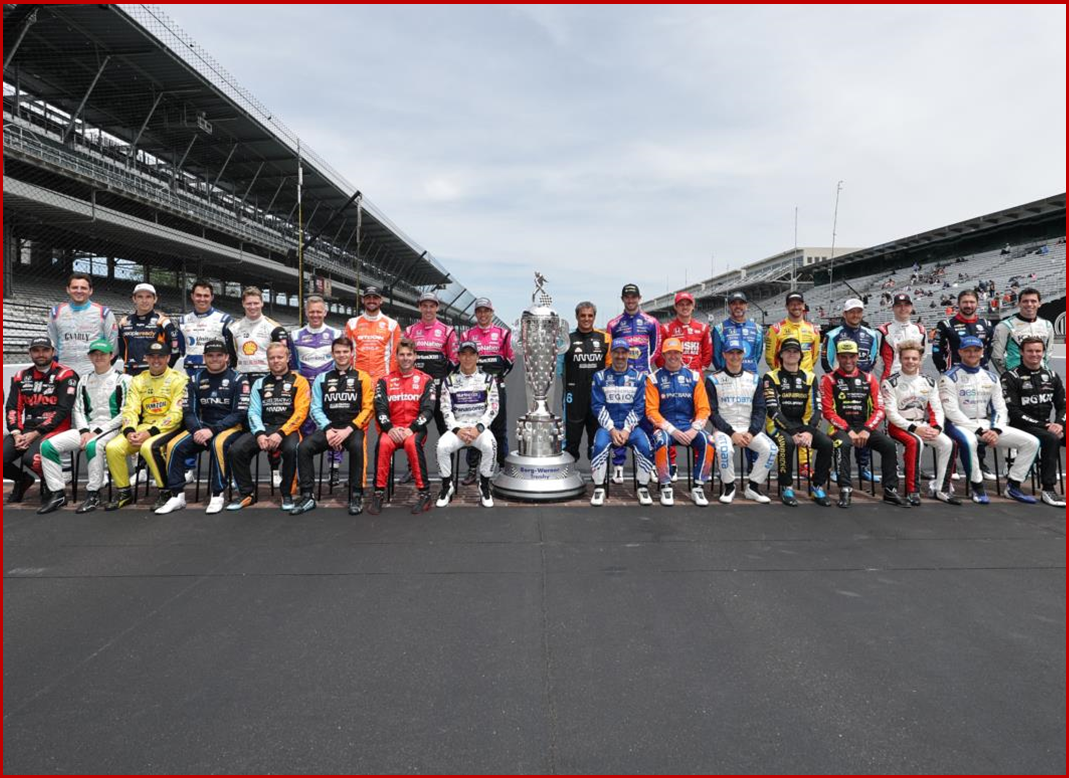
x=976 y=412
x=201 y=325
x=915 y=418
x=312 y=356
x=794 y=326
x=342 y=407
x=740 y=327
x=1011 y=331
x=946 y=344
x=217 y=405
x=39 y=406
x=470 y=405
x=96 y=416
x=588 y=352
x=496 y=359
x=1035 y=400
x=900 y=329
x=792 y=405
x=677 y=407
x=151 y=419
x=737 y=412
x=618 y=401
x=144 y=326
x=278 y=406
x=404 y=405
x=75 y=324
x=851 y=403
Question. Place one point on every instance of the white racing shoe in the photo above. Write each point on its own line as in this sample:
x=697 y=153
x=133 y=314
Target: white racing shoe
x=643 y=495
x=276 y=478
x=216 y=504
x=752 y=493
x=618 y=474
x=728 y=494
x=176 y=503
x=697 y=495
x=667 y=496
x=1052 y=498
x=598 y=498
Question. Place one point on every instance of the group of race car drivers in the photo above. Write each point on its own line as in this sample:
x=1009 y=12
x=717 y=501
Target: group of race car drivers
x=112 y=390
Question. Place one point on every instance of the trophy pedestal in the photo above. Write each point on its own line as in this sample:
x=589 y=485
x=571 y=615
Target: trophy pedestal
x=539 y=479
x=539 y=471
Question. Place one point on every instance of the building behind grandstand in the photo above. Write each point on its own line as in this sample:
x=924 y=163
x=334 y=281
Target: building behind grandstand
x=130 y=154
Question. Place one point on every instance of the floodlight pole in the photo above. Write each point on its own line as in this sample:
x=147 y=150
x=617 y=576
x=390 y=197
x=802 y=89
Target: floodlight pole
x=834 y=224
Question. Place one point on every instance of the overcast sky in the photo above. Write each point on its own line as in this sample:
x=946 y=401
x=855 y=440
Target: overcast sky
x=603 y=145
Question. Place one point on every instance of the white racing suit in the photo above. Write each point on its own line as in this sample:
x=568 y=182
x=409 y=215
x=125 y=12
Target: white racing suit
x=908 y=402
x=972 y=402
x=738 y=405
x=468 y=401
x=98 y=411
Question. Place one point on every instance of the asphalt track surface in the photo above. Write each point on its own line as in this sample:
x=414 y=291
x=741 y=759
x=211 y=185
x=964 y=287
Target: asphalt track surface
x=537 y=639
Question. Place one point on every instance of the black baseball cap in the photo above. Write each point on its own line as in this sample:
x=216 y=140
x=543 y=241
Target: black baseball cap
x=789 y=343
x=795 y=296
x=902 y=297
x=158 y=349
x=40 y=342
x=215 y=345
x=372 y=291
x=630 y=289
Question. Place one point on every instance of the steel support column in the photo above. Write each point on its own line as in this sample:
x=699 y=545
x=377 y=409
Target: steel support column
x=85 y=99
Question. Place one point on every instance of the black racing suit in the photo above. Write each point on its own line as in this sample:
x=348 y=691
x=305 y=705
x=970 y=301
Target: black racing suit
x=588 y=352
x=137 y=333
x=41 y=402
x=792 y=402
x=340 y=399
x=948 y=335
x=852 y=403
x=1034 y=398
x=277 y=405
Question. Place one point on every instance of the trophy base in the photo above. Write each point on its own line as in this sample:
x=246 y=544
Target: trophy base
x=539 y=479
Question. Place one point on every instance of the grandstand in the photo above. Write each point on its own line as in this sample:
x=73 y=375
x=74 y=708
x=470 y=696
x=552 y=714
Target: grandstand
x=1026 y=243
x=135 y=156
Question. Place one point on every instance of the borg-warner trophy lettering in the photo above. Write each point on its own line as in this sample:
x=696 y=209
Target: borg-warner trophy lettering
x=539 y=470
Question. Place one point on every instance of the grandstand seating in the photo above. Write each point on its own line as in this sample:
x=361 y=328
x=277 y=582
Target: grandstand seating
x=994 y=265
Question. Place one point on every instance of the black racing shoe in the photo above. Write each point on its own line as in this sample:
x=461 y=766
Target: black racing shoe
x=787 y=498
x=305 y=504
x=423 y=502
x=375 y=506
x=914 y=499
x=892 y=497
x=92 y=502
x=470 y=477
x=123 y=498
x=161 y=499
x=335 y=478
x=844 y=497
x=18 y=490
x=446 y=494
x=820 y=497
x=486 y=496
x=56 y=500
x=356 y=504
x=287 y=503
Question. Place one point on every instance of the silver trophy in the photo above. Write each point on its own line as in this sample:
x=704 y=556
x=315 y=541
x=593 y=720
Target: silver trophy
x=540 y=470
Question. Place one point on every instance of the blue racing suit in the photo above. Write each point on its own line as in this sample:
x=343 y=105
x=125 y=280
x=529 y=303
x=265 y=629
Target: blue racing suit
x=618 y=402
x=752 y=337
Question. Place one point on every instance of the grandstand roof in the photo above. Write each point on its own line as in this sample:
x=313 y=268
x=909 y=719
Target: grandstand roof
x=147 y=72
x=1037 y=210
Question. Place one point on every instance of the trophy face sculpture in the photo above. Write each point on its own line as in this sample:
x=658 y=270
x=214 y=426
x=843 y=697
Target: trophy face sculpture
x=540 y=470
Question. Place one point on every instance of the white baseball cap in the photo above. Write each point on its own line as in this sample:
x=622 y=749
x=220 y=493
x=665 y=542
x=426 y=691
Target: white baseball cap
x=146 y=288
x=852 y=303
